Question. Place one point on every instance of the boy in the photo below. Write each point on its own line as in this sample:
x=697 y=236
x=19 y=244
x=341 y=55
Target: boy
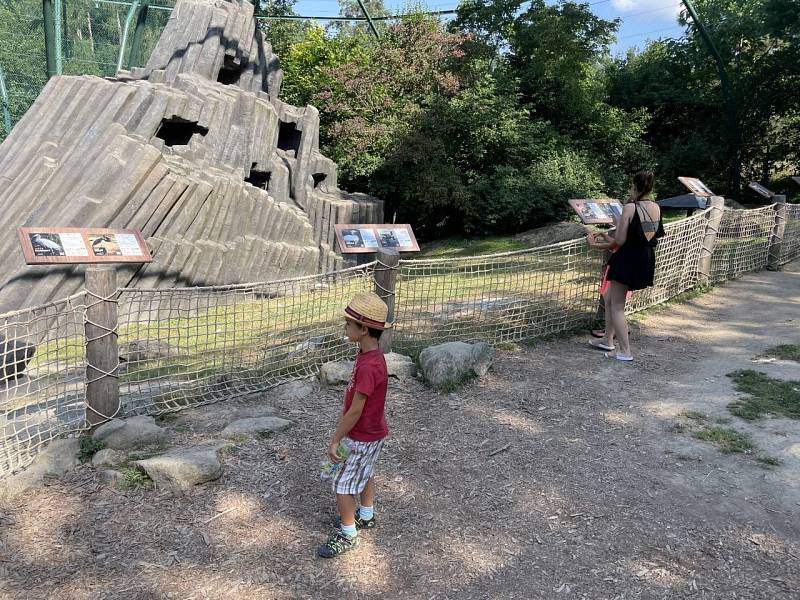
x=362 y=425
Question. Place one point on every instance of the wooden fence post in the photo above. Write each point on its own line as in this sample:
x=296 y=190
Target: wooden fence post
x=778 y=230
x=717 y=206
x=385 y=285
x=102 y=353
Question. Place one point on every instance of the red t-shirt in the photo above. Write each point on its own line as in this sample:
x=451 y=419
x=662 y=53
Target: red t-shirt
x=371 y=378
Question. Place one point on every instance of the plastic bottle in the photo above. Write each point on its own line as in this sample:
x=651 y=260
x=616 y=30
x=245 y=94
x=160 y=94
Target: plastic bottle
x=330 y=468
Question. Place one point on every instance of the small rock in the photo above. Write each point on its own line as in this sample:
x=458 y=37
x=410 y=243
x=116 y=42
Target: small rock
x=336 y=373
x=255 y=426
x=135 y=432
x=792 y=451
x=180 y=470
x=59 y=457
x=400 y=366
x=108 y=457
x=449 y=364
x=110 y=477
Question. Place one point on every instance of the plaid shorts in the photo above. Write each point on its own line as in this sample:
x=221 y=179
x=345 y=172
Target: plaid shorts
x=358 y=468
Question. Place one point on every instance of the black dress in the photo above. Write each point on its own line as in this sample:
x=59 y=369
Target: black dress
x=634 y=263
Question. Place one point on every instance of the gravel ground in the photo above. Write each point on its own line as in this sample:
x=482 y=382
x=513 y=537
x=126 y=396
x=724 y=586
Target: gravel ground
x=559 y=475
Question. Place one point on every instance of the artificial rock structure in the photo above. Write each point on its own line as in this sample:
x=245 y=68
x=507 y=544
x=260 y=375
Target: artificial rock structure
x=196 y=150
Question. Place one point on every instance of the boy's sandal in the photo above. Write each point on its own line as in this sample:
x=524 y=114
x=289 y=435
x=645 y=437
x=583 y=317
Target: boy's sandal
x=338 y=544
x=601 y=346
x=620 y=357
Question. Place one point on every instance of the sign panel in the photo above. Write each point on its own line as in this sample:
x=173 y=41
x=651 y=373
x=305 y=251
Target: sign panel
x=75 y=245
x=697 y=187
x=796 y=180
x=357 y=238
x=596 y=211
x=760 y=189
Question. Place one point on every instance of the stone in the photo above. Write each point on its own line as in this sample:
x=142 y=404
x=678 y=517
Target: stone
x=255 y=426
x=108 y=457
x=792 y=451
x=400 y=366
x=294 y=390
x=336 y=373
x=451 y=363
x=59 y=457
x=135 y=432
x=180 y=470
x=110 y=477
x=144 y=350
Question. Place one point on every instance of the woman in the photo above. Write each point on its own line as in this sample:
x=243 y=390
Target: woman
x=632 y=265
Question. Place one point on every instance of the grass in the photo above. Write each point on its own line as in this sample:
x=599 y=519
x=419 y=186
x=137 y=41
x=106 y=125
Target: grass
x=462 y=246
x=694 y=415
x=784 y=352
x=729 y=440
x=134 y=477
x=764 y=396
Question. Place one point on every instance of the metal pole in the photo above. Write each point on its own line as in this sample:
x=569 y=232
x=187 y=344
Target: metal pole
x=124 y=41
x=59 y=28
x=4 y=97
x=135 y=58
x=727 y=92
x=369 y=19
x=49 y=37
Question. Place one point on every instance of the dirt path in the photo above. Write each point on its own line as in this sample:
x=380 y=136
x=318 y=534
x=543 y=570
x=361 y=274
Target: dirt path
x=560 y=475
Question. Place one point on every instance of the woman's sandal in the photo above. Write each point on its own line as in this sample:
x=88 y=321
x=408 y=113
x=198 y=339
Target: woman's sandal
x=620 y=357
x=601 y=346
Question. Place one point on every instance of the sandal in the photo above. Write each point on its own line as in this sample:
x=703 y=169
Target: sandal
x=601 y=346
x=620 y=357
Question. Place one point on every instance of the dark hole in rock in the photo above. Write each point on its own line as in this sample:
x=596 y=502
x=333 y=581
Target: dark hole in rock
x=230 y=73
x=178 y=132
x=289 y=137
x=259 y=179
x=319 y=178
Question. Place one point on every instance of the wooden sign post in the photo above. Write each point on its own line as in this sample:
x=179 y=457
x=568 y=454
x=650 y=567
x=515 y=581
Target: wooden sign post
x=100 y=248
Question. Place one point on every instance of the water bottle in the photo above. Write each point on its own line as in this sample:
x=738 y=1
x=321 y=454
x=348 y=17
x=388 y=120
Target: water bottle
x=330 y=468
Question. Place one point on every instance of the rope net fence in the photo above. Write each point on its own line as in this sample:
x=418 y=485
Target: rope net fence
x=189 y=346
x=42 y=365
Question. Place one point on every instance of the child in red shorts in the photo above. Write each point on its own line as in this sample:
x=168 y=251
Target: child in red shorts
x=362 y=426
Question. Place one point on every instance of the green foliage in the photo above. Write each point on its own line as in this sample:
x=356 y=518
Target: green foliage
x=785 y=352
x=89 y=447
x=728 y=440
x=765 y=396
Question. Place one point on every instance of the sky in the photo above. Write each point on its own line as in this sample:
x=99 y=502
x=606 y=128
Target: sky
x=641 y=19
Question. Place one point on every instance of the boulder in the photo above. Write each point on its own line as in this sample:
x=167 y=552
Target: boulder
x=255 y=426
x=135 y=432
x=180 y=470
x=449 y=364
x=108 y=457
x=400 y=366
x=294 y=390
x=336 y=373
x=59 y=457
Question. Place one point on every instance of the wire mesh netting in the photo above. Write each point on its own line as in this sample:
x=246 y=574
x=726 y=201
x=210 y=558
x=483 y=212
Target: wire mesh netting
x=742 y=243
x=192 y=346
x=790 y=248
x=499 y=298
x=43 y=372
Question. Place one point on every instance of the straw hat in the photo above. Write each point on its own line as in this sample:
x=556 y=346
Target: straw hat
x=368 y=309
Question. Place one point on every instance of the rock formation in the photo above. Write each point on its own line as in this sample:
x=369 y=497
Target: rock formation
x=196 y=150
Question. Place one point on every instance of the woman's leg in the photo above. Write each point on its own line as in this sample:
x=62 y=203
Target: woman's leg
x=617 y=293
x=608 y=339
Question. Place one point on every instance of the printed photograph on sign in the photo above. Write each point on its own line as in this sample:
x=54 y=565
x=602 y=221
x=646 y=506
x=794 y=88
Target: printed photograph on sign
x=352 y=238
x=104 y=245
x=388 y=239
x=597 y=212
x=47 y=244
